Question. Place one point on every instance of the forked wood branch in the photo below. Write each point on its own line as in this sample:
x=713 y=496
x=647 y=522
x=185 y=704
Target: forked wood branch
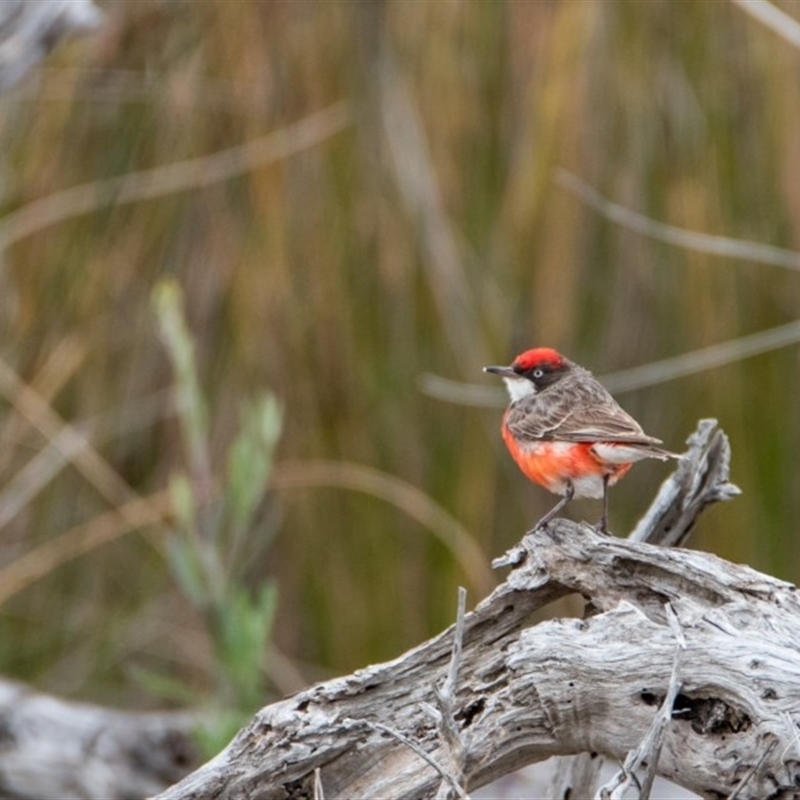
x=566 y=686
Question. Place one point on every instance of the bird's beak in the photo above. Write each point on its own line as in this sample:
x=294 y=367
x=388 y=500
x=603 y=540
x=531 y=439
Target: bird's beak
x=503 y=372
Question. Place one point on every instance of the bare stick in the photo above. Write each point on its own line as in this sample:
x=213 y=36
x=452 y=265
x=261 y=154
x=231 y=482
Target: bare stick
x=671 y=234
x=426 y=757
x=666 y=710
x=448 y=691
x=700 y=480
x=649 y=749
x=653 y=373
x=454 y=746
x=752 y=771
x=176 y=177
x=319 y=792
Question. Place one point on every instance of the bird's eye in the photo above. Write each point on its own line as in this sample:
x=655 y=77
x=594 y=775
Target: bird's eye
x=538 y=373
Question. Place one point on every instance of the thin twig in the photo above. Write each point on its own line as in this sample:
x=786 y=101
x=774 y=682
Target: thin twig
x=628 y=380
x=445 y=717
x=409 y=499
x=177 y=177
x=666 y=710
x=649 y=748
x=319 y=792
x=752 y=771
x=672 y=234
x=411 y=744
x=449 y=689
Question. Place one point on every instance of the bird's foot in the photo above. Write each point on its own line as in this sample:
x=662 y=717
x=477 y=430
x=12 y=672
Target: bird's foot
x=542 y=524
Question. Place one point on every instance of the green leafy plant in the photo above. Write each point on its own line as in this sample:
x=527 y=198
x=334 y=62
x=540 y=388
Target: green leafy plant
x=215 y=527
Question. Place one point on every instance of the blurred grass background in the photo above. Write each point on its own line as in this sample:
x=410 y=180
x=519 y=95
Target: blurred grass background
x=414 y=226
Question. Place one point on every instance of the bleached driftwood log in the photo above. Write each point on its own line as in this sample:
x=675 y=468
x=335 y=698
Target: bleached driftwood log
x=560 y=687
x=52 y=748
x=594 y=685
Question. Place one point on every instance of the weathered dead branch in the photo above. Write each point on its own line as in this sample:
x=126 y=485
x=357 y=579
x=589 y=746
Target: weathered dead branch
x=560 y=687
x=719 y=719
x=52 y=748
x=567 y=686
x=700 y=480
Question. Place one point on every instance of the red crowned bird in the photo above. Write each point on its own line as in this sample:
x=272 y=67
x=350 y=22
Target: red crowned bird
x=566 y=432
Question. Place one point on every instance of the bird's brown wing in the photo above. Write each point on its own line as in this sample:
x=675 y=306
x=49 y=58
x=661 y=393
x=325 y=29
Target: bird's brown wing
x=584 y=412
x=602 y=424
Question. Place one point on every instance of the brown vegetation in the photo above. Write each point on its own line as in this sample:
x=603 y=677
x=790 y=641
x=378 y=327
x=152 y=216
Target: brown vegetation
x=418 y=228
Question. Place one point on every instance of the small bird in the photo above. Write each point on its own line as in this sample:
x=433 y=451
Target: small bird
x=566 y=432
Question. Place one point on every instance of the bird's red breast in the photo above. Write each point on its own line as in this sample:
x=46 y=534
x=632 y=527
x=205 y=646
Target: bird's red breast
x=555 y=464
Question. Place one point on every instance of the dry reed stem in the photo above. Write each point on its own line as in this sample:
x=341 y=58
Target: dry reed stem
x=59 y=366
x=651 y=374
x=672 y=234
x=408 y=498
x=177 y=177
x=82 y=539
x=29 y=480
x=153 y=509
x=75 y=446
x=415 y=174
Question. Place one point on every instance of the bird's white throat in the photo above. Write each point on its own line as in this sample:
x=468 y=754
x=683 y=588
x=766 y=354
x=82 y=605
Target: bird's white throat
x=519 y=388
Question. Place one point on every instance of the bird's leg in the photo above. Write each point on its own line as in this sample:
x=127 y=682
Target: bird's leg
x=569 y=493
x=602 y=525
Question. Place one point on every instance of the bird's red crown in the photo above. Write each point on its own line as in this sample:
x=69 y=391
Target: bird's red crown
x=538 y=357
